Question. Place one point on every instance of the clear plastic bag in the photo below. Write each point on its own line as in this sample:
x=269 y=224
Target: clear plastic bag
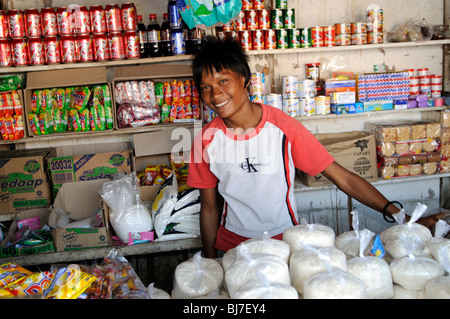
x=411 y=31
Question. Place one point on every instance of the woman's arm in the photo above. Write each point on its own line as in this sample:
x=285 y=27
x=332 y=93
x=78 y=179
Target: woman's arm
x=209 y=220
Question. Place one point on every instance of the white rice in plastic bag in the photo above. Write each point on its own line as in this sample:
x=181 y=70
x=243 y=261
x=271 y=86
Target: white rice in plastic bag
x=403 y=293
x=156 y=293
x=316 y=235
x=261 y=289
x=335 y=284
x=197 y=277
x=348 y=241
x=439 y=288
x=309 y=261
x=438 y=241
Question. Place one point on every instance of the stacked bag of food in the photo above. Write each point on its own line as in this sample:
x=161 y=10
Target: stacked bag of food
x=445 y=141
x=407 y=148
x=11 y=116
x=76 y=109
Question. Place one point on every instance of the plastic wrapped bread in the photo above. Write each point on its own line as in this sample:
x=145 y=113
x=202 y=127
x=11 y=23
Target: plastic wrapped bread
x=316 y=235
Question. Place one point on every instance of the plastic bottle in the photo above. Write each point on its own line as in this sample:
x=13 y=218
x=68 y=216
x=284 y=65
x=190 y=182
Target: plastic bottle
x=143 y=39
x=165 y=36
x=154 y=37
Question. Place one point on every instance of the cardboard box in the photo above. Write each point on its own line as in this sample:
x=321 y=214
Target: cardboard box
x=88 y=162
x=378 y=105
x=24 y=180
x=355 y=151
x=68 y=199
x=61 y=79
x=43 y=214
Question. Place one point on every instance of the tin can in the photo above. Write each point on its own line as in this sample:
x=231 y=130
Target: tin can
x=291 y=107
x=374 y=17
x=36 y=52
x=178 y=41
x=82 y=21
x=305 y=38
x=258 y=40
x=307 y=106
x=329 y=36
x=116 y=46
x=289 y=18
x=6 y=55
x=33 y=23
x=113 y=18
x=358 y=38
x=85 y=48
x=257 y=83
x=129 y=17
x=132 y=45
x=374 y=37
x=52 y=49
x=227 y=27
x=277 y=19
x=270 y=39
x=343 y=39
x=247 y=4
x=16 y=24
x=322 y=105
x=245 y=38
x=68 y=49
x=274 y=100
x=293 y=38
x=317 y=37
x=307 y=88
x=4 y=25
x=343 y=28
x=251 y=19
x=289 y=87
x=174 y=15
x=281 y=4
x=19 y=51
x=358 y=27
x=65 y=21
x=101 y=47
x=282 y=38
x=49 y=22
x=98 y=19
x=313 y=72
x=258 y=4
x=263 y=17
x=240 y=23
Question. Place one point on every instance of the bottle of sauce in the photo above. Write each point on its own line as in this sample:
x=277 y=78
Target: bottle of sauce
x=154 y=37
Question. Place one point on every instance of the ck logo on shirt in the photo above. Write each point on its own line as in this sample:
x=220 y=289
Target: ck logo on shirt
x=249 y=165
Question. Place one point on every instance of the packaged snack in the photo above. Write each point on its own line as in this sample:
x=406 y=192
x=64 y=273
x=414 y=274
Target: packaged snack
x=102 y=287
x=46 y=95
x=59 y=96
x=8 y=106
x=80 y=98
x=36 y=97
x=12 y=82
x=18 y=127
x=165 y=113
x=75 y=120
x=9 y=126
x=17 y=103
x=33 y=284
x=3 y=132
x=68 y=283
x=33 y=120
x=159 y=93
x=11 y=272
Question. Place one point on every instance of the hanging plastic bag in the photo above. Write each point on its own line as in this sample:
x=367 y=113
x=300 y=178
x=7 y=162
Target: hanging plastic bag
x=207 y=13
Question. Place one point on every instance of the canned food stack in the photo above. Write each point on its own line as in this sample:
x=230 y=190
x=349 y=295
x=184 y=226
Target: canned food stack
x=177 y=34
x=374 y=17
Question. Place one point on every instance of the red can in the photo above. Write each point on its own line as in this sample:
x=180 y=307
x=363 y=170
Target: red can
x=129 y=17
x=98 y=19
x=4 y=27
x=270 y=39
x=317 y=37
x=251 y=19
x=33 y=23
x=36 y=51
x=258 y=40
x=82 y=21
x=240 y=23
x=258 y=4
x=329 y=36
x=5 y=53
x=49 y=22
x=116 y=46
x=68 y=49
x=132 y=45
x=16 y=24
x=101 y=47
x=65 y=20
x=85 y=48
x=52 y=49
x=113 y=18
x=245 y=38
x=20 y=51
x=263 y=17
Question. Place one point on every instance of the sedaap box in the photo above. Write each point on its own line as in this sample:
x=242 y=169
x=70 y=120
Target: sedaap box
x=24 y=180
x=355 y=151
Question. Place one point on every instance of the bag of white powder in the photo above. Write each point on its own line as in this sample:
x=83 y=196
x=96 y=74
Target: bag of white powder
x=439 y=288
x=348 y=241
x=316 y=235
x=263 y=289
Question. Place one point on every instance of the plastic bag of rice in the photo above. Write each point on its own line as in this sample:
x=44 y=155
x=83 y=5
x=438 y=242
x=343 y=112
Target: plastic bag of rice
x=402 y=293
x=373 y=271
x=439 y=288
x=348 y=241
x=438 y=241
x=197 y=277
x=309 y=261
x=263 y=289
x=316 y=235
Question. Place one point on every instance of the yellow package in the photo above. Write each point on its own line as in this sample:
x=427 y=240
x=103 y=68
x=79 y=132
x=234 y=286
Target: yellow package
x=69 y=283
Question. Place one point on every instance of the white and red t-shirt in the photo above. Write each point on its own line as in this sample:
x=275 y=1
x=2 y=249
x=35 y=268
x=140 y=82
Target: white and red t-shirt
x=255 y=173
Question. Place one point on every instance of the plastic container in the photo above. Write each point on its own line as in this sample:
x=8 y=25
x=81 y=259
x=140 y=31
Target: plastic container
x=154 y=37
x=143 y=39
x=165 y=36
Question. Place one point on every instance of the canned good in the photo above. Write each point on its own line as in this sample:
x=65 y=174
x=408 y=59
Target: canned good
x=307 y=106
x=245 y=38
x=247 y=4
x=52 y=50
x=289 y=18
x=4 y=25
x=307 y=88
x=294 y=38
x=263 y=17
x=317 y=37
x=313 y=72
x=178 y=41
x=240 y=23
x=282 y=38
x=16 y=24
x=129 y=17
x=65 y=22
x=343 y=39
x=36 y=52
x=289 y=87
x=258 y=40
x=227 y=27
x=33 y=23
x=85 y=48
x=82 y=21
x=257 y=83
x=113 y=18
x=291 y=107
x=251 y=19
x=329 y=36
x=358 y=38
x=98 y=19
x=374 y=37
x=359 y=27
x=116 y=46
x=281 y=4
x=6 y=56
x=277 y=19
x=374 y=18
x=270 y=39
x=49 y=22
x=132 y=45
x=343 y=28
x=258 y=4
x=274 y=100
x=101 y=47
x=305 y=38
x=174 y=15
x=322 y=105
x=68 y=49
x=19 y=51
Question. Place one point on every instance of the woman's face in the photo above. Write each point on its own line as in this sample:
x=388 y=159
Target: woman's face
x=224 y=92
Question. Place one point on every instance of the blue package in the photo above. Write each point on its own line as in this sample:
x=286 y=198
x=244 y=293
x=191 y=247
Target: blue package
x=377 y=248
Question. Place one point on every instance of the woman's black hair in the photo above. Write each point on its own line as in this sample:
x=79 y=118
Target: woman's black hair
x=216 y=54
